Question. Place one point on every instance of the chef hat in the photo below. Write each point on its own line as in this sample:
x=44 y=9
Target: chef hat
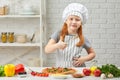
x=77 y=10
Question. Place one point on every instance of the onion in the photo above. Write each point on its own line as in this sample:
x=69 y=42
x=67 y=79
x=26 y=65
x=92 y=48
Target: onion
x=103 y=76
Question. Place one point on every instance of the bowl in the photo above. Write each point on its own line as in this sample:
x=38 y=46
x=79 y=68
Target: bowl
x=59 y=76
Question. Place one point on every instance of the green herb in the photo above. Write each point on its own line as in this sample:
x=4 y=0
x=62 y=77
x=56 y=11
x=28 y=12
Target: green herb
x=110 y=68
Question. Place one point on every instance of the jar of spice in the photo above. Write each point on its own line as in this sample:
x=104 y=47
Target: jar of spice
x=4 y=37
x=11 y=37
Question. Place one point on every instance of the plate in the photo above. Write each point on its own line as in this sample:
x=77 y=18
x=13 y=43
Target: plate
x=59 y=76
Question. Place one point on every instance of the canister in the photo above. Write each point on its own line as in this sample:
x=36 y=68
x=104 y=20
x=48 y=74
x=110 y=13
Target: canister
x=21 y=38
x=11 y=37
x=4 y=37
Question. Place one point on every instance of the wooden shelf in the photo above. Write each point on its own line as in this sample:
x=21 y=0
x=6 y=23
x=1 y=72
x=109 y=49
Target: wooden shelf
x=20 y=44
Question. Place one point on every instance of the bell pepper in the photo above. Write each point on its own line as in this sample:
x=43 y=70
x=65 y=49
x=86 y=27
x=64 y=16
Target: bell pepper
x=19 y=68
x=2 y=71
x=9 y=70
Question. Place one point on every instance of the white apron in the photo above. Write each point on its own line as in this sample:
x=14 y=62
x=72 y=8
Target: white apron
x=65 y=57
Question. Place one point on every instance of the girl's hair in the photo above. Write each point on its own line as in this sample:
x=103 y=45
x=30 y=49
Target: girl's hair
x=65 y=32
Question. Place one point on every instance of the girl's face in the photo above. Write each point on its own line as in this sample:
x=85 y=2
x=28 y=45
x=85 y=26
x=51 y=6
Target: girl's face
x=73 y=23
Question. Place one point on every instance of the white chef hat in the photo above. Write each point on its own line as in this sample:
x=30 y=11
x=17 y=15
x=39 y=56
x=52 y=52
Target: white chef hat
x=76 y=9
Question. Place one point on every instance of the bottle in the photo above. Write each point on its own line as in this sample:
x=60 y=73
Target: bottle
x=4 y=37
x=94 y=66
x=11 y=37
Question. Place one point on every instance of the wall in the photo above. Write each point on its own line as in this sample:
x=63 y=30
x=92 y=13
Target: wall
x=102 y=28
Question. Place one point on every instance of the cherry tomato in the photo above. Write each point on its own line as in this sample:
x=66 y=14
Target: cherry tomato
x=39 y=74
x=46 y=75
x=33 y=73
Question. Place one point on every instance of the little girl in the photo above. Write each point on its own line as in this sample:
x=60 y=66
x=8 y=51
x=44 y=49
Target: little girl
x=69 y=41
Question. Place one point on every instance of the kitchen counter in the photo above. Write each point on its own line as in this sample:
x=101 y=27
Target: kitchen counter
x=29 y=77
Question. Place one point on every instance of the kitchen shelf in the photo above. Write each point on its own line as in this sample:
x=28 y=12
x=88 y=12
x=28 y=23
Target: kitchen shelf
x=26 y=23
x=19 y=16
x=20 y=44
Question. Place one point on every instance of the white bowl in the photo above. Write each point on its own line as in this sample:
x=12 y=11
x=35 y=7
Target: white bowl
x=59 y=76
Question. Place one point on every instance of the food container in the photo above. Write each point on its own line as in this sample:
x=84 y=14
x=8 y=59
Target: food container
x=3 y=10
x=21 y=38
x=11 y=37
x=4 y=37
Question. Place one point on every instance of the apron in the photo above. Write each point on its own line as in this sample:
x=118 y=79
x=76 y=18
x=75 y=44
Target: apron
x=65 y=57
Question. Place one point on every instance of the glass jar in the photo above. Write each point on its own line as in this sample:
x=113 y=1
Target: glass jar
x=4 y=37
x=21 y=38
x=11 y=37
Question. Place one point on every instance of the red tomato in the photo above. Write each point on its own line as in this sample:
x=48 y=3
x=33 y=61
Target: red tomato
x=37 y=74
x=46 y=75
x=33 y=73
x=86 y=72
x=42 y=74
x=97 y=73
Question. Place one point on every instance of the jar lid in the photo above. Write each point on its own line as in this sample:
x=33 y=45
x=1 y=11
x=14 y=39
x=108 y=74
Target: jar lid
x=21 y=35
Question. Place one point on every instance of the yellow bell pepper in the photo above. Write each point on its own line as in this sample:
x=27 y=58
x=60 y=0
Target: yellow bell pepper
x=9 y=70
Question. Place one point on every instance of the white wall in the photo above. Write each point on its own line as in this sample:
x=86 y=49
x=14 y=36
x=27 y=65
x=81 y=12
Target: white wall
x=102 y=28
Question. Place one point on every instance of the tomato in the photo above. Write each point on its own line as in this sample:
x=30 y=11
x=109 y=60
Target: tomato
x=39 y=74
x=97 y=73
x=46 y=75
x=33 y=73
x=86 y=72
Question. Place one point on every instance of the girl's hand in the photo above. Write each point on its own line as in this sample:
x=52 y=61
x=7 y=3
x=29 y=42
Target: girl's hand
x=78 y=61
x=61 y=45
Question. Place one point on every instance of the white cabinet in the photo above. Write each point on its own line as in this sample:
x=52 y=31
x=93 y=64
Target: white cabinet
x=25 y=17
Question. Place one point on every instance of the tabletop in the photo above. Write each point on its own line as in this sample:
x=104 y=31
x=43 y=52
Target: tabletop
x=29 y=77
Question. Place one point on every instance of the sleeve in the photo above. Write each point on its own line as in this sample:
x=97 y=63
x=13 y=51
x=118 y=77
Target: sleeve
x=55 y=36
x=87 y=44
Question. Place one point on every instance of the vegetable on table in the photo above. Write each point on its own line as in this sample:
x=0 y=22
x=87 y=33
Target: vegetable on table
x=2 y=70
x=110 y=69
x=19 y=68
x=92 y=69
x=103 y=76
x=86 y=71
x=9 y=70
x=97 y=73
x=33 y=73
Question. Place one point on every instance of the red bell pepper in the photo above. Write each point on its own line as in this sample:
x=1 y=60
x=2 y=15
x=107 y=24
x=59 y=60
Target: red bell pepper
x=19 y=68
